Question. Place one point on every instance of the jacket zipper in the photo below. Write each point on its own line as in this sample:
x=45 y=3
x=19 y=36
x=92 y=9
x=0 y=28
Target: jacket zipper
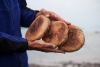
x=13 y=27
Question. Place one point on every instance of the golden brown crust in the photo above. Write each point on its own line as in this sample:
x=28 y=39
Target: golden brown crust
x=37 y=28
x=57 y=33
x=75 y=39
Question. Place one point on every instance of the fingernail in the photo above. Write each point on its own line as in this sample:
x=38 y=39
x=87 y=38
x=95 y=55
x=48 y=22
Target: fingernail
x=47 y=15
x=68 y=22
x=54 y=45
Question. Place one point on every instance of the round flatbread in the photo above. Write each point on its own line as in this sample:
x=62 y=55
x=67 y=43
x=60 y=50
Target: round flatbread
x=75 y=39
x=57 y=33
x=37 y=29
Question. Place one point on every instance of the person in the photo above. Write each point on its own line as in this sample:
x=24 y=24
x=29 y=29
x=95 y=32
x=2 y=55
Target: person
x=15 y=14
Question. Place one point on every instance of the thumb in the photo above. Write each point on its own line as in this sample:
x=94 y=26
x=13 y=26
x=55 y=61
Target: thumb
x=49 y=45
x=44 y=12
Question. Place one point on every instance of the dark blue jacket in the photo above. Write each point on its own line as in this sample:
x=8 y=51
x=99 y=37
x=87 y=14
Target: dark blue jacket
x=13 y=15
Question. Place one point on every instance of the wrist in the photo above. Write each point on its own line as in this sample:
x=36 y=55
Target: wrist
x=32 y=45
x=29 y=45
x=37 y=12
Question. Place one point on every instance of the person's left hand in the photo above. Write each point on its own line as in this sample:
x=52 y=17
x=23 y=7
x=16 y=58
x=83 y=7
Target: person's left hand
x=42 y=46
x=53 y=16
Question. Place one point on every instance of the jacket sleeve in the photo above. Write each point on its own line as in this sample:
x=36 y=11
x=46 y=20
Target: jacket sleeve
x=12 y=44
x=27 y=15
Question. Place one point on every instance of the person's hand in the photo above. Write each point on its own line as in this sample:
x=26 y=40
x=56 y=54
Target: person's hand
x=40 y=45
x=53 y=16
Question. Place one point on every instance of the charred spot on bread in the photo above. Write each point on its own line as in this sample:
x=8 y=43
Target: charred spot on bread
x=57 y=33
x=36 y=25
x=60 y=32
x=38 y=28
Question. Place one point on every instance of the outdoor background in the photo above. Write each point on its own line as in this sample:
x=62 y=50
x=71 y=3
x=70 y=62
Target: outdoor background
x=82 y=13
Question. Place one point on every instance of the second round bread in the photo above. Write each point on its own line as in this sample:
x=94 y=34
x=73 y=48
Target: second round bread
x=57 y=33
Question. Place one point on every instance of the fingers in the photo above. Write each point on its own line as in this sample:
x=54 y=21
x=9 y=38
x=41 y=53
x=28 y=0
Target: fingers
x=56 y=17
x=44 y=12
x=67 y=22
x=49 y=45
x=43 y=46
x=51 y=50
x=53 y=16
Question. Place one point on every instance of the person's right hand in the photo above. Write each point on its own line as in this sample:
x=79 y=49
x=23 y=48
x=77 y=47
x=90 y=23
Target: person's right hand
x=51 y=15
x=40 y=45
